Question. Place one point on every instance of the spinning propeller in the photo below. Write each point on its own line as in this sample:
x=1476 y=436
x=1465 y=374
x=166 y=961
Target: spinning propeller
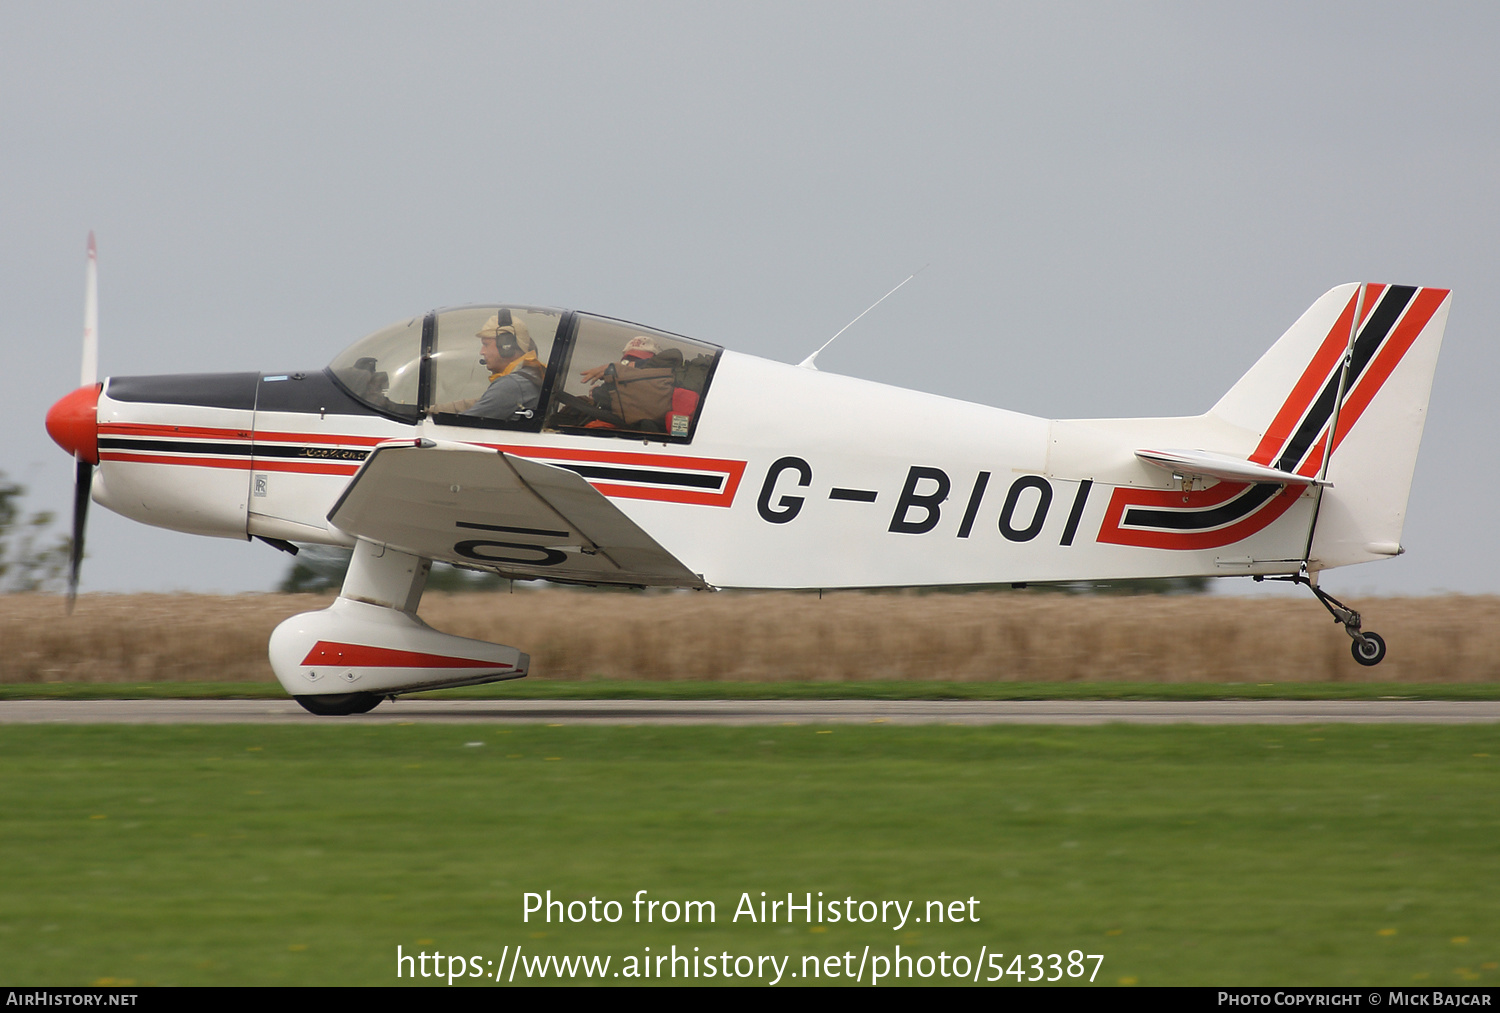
x=74 y=425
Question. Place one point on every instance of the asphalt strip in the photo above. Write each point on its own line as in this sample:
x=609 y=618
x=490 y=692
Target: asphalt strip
x=765 y=712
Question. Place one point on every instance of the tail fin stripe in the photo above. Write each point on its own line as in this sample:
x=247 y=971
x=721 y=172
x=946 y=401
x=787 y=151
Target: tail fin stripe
x=1372 y=297
x=1314 y=422
x=1339 y=378
x=1404 y=336
x=1374 y=333
x=1361 y=378
x=1394 y=300
x=1314 y=378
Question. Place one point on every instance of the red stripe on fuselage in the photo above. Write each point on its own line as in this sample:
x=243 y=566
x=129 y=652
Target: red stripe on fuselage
x=240 y=463
x=661 y=495
x=1111 y=532
x=733 y=471
x=353 y=441
x=234 y=435
x=182 y=432
x=235 y=463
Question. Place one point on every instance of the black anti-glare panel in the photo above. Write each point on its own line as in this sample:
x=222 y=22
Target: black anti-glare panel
x=313 y=393
x=210 y=390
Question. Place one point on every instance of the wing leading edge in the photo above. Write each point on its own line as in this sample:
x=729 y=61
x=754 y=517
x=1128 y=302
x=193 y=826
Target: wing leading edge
x=479 y=507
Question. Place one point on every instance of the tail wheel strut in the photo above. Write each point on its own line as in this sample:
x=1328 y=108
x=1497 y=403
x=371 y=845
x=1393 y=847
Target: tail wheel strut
x=1368 y=647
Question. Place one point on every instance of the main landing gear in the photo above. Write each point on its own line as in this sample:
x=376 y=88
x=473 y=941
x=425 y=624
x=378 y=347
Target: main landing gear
x=1368 y=648
x=370 y=646
x=339 y=704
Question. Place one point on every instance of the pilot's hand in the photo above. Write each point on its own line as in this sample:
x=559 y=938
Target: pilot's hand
x=596 y=374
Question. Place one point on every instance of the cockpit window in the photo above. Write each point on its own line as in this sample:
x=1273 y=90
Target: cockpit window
x=383 y=370
x=489 y=365
x=505 y=367
x=622 y=379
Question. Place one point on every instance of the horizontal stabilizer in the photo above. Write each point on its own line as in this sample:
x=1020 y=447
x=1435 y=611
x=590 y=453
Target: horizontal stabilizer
x=1205 y=464
x=483 y=508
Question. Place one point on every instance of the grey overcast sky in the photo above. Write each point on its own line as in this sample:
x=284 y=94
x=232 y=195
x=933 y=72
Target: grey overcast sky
x=1123 y=205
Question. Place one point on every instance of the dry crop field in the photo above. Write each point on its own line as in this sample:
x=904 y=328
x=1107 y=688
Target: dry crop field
x=774 y=636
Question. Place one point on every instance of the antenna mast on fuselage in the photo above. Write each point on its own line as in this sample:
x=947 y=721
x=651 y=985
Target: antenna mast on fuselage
x=811 y=361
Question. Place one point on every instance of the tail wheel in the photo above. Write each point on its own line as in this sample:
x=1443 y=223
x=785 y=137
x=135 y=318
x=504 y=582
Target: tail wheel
x=338 y=704
x=1371 y=652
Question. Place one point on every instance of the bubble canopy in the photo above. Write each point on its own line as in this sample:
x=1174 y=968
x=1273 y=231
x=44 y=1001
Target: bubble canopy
x=532 y=369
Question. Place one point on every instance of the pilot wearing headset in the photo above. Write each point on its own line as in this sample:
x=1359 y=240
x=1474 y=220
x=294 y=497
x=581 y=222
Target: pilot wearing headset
x=507 y=351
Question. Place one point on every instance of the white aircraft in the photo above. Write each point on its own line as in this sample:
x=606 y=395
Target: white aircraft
x=547 y=443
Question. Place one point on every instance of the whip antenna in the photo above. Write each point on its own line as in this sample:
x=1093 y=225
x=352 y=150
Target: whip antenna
x=810 y=361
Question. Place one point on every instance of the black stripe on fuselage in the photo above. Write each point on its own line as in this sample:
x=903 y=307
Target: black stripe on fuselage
x=176 y=446
x=324 y=453
x=232 y=449
x=1197 y=520
x=1392 y=302
x=693 y=481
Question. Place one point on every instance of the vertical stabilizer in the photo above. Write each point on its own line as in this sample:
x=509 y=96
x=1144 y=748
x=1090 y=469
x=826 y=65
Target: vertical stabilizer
x=1342 y=396
x=1379 y=430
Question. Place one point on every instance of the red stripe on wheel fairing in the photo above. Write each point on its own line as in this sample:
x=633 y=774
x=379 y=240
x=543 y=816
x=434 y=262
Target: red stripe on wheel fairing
x=335 y=654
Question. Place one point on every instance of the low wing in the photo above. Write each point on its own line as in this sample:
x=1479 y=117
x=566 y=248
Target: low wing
x=479 y=507
x=1205 y=463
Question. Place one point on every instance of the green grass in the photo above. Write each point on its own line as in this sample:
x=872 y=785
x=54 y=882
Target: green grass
x=529 y=689
x=1332 y=854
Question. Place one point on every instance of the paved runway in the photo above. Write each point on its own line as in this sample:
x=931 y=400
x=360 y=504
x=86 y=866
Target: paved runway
x=762 y=712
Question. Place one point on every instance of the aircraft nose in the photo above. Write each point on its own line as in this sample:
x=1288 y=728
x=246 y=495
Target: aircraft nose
x=73 y=423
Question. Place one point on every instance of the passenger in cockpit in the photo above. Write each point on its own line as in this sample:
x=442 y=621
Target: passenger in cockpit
x=641 y=389
x=637 y=350
x=506 y=349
